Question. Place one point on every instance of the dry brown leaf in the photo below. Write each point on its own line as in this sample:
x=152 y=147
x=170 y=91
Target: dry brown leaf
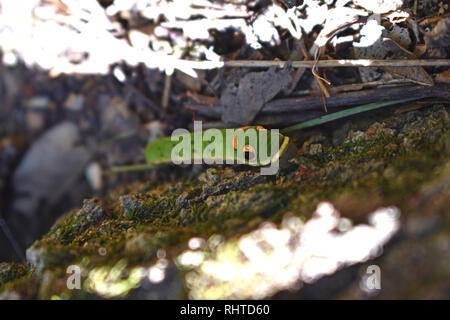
x=443 y=76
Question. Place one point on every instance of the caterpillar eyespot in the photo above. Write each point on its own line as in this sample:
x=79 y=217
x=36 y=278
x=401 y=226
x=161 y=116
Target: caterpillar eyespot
x=249 y=152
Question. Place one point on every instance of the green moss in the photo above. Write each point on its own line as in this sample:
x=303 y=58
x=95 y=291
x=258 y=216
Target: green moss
x=12 y=271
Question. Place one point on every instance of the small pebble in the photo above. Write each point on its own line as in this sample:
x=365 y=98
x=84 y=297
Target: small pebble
x=94 y=176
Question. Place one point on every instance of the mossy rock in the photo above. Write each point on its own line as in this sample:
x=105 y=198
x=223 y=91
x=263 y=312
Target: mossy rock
x=123 y=236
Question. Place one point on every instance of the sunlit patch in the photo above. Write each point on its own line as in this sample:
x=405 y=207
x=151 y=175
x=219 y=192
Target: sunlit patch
x=196 y=243
x=119 y=74
x=157 y=273
x=371 y=32
x=10 y=59
x=113 y=282
x=191 y=258
x=118 y=281
x=271 y=259
x=87 y=41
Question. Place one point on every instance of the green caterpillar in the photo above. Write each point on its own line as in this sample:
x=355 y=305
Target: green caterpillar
x=202 y=146
x=160 y=151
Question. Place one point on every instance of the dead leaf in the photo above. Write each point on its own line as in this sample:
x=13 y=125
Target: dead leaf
x=443 y=76
x=438 y=39
x=242 y=103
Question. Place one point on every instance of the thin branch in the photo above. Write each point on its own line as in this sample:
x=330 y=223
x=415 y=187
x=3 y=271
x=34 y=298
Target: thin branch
x=339 y=63
x=290 y=106
x=167 y=90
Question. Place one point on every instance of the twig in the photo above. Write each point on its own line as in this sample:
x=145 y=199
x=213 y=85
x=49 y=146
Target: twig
x=359 y=86
x=272 y=120
x=321 y=81
x=433 y=19
x=346 y=99
x=167 y=90
x=357 y=97
x=338 y=63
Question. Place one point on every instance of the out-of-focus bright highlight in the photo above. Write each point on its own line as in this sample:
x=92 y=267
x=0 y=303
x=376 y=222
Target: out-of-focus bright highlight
x=271 y=259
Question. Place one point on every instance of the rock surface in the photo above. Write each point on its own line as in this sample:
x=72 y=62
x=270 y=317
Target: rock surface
x=56 y=155
x=159 y=240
